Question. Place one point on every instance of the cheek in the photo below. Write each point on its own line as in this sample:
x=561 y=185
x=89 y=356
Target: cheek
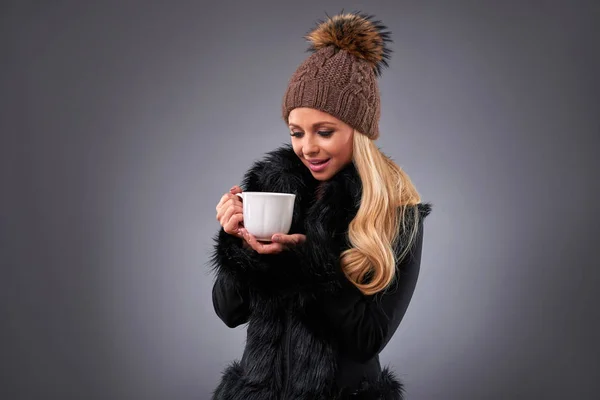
x=330 y=146
x=297 y=148
x=336 y=148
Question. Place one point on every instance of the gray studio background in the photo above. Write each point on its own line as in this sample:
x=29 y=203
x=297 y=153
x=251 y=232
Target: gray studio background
x=124 y=122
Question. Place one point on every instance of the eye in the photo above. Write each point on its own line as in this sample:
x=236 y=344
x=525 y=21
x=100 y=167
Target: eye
x=296 y=134
x=325 y=133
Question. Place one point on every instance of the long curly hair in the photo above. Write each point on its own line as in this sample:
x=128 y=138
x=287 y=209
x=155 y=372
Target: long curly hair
x=387 y=193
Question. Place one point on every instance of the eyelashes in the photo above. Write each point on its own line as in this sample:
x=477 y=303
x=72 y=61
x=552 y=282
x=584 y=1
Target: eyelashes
x=320 y=133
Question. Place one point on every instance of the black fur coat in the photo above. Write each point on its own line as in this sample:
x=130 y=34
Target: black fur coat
x=311 y=334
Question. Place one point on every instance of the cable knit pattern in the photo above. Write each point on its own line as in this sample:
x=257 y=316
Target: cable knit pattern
x=334 y=81
x=349 y=52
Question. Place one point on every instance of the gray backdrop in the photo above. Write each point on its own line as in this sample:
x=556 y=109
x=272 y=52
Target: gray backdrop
x=124 y=122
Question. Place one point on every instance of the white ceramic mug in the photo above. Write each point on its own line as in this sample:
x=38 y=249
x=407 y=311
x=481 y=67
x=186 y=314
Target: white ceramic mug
x=267 y=213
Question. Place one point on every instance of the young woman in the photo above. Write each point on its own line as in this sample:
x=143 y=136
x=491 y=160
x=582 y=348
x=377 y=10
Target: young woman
x=323 y=301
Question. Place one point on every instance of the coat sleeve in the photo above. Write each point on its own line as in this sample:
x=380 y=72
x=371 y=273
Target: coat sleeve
x=230 y=302
x=230 y=262
x=236 y=268
x=363 y=325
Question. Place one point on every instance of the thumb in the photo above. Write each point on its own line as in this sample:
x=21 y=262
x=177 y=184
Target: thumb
x=296 y=238
x=299 y=238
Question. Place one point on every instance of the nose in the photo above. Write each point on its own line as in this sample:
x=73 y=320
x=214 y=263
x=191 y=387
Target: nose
x=310 y=146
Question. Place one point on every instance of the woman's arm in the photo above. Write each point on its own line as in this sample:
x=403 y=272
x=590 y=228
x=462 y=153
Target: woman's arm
x=237 y=266
x=363 y=325
x=230 y=302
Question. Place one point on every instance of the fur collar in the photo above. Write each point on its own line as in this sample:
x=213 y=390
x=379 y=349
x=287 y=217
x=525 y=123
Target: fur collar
x=312 y=267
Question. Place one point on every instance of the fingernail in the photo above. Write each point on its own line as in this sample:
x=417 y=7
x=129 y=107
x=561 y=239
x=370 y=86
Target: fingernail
x=276 y=238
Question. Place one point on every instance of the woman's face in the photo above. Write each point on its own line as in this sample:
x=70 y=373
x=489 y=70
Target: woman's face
x=321 y=141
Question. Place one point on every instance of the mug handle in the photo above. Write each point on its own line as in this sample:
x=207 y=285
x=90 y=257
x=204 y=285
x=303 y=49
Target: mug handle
x=241 y=196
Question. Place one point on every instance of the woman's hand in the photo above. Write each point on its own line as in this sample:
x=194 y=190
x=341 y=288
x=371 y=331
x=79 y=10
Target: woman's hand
x=280 y=242
x=230 y=212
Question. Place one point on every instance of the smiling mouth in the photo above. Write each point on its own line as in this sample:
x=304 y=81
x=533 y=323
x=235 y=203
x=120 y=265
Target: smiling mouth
x=318 y=166
x=319 y=162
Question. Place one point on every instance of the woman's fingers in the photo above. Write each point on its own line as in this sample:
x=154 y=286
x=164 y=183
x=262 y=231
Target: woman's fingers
x=226 y=216
x=289 y=240
x=223 y=200
x=280 y=242
x=261 y=248
x=232 y=226
x=233 y=209
x=251 y=240
x=231 y=201
x=229 y=196
x=271 y=248
x=230 y=211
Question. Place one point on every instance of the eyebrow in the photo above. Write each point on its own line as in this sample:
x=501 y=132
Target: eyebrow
x=315 y=125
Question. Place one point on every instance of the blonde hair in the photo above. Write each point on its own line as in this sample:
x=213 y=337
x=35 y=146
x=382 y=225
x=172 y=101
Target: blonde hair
x=387 y=191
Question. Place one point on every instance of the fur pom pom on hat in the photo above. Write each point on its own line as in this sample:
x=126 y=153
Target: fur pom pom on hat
x=358 y=34
x=349 y=52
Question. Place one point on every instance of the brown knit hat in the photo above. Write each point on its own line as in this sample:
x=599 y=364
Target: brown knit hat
x=340 y=76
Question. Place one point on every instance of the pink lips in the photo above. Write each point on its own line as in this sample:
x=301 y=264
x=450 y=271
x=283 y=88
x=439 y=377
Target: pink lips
x=318 y=167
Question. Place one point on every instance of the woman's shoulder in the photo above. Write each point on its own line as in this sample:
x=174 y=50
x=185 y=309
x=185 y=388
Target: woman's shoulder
x=424 y=209
x=411 y=229
x=416 y=213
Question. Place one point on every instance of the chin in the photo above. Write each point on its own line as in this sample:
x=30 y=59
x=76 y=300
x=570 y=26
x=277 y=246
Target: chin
x=321 y=178
x=325 y=176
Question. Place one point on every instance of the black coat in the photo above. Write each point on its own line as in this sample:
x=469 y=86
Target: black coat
x=311 y=334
